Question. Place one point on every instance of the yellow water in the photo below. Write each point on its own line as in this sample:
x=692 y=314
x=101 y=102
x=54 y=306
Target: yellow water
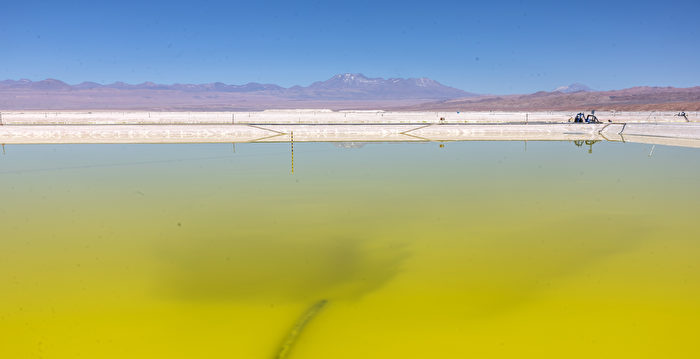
x=475 y=250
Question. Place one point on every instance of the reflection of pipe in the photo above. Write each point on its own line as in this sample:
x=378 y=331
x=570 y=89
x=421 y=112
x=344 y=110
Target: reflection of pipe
x=623 y=130
x=603 y=129
x=406 y=133
x=291 y=338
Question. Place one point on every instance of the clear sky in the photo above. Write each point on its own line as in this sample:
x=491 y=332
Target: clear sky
x=485 y=46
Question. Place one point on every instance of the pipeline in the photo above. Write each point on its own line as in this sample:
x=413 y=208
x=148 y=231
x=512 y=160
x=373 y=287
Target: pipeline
x=298 y=327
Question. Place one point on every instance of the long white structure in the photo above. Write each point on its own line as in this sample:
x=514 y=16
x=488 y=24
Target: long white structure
x=341 y=126
x=321 y=117
x=678 y=134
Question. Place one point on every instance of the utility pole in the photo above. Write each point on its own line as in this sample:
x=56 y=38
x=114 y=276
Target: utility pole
x=291 y=142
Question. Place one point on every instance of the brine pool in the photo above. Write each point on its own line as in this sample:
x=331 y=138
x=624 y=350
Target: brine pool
x=377 y=250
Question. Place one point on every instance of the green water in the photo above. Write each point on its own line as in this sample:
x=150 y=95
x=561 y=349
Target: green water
x=474 y=250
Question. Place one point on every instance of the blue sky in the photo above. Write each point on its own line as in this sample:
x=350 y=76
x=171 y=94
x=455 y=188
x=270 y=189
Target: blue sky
x=485 y=47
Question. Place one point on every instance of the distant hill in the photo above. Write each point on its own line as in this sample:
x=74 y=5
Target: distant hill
x=357 y=86
x=631 y=99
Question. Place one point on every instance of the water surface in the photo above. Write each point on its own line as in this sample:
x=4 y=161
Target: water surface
x=475 y=249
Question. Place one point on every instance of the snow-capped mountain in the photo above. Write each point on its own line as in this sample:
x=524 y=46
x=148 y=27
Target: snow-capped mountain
x=358 y=86
x=575 y=87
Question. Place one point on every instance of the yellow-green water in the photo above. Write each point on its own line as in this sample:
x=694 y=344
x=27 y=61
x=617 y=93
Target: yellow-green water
x=475 y=250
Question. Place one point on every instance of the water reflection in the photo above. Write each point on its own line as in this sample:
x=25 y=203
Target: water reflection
x=589 y=143
x=350 y=145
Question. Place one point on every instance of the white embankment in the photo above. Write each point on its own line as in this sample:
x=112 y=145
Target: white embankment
x=324 y=125
x=321 y=117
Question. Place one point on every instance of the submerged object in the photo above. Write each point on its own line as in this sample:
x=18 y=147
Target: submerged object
x=298 y=327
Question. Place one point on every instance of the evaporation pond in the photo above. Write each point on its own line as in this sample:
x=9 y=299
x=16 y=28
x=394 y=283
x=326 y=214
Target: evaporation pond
x=376 y=250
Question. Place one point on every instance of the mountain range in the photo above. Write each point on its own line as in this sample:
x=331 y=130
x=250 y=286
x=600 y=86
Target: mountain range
x=343 y=91
x=343 y=86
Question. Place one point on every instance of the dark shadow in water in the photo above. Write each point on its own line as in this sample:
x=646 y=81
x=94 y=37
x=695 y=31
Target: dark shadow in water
x=274 y=270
